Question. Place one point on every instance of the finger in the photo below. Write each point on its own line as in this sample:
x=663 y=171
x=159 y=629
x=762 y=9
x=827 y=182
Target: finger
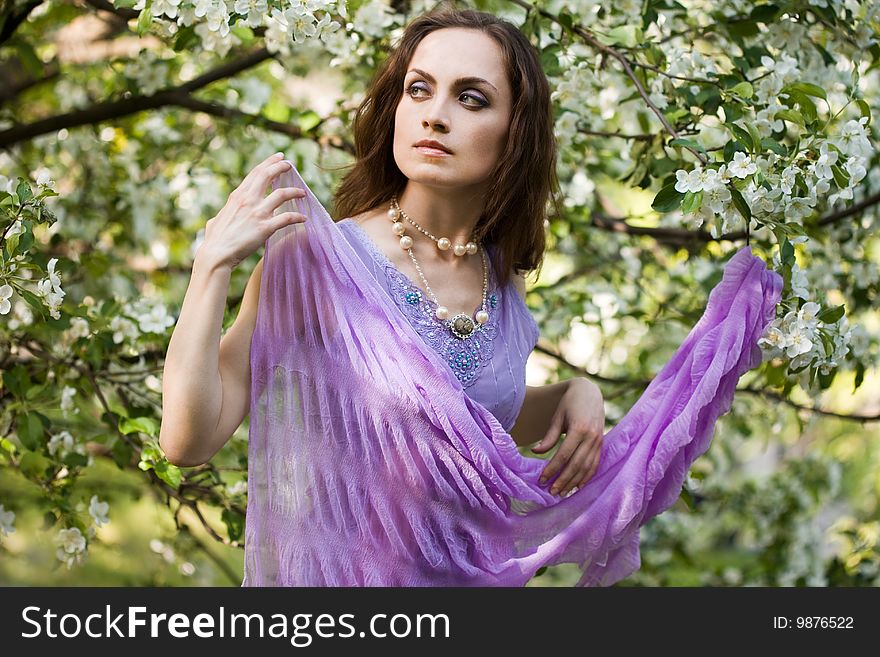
x=591 y=470
x=586 y=460
x=552 y=436
x=269 y=176
x=257 y=178
x=286 y=218
x=573 y=470
x=562 y=456
x=279 y=197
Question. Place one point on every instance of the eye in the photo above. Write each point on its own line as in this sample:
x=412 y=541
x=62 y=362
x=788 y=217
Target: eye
x=413 y=88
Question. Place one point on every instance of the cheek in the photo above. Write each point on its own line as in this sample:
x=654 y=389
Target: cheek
x=490 y=140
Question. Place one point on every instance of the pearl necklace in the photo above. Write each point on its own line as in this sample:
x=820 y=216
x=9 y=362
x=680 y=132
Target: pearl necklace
x=461 y=325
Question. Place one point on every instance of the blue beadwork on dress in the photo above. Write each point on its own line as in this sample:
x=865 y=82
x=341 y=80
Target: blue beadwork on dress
x=466 y=356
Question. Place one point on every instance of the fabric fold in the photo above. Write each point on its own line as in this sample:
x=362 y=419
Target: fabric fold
x=369 y=465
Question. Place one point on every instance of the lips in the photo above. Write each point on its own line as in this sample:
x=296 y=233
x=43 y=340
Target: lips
x=430 y=143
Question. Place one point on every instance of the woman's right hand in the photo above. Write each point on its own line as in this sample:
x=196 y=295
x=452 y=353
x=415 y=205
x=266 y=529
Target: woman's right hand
x=247 y=220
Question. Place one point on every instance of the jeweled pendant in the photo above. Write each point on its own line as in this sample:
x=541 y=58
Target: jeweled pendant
x=462 y=325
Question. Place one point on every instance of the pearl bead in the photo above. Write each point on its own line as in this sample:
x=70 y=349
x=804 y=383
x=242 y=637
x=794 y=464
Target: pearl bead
x=406 y=242
x=471 y=247
x=393 y=213
x=459 y=250
x=443 y=243
x=442 y=312
x=482 y=317
x=398 y=228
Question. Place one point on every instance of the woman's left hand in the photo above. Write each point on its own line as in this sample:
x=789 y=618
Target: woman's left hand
x=581 y=416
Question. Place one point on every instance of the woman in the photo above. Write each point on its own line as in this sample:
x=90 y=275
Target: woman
x=380 y=400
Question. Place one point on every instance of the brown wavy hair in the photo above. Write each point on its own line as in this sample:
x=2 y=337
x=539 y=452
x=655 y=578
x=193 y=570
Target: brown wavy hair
x=524 y=178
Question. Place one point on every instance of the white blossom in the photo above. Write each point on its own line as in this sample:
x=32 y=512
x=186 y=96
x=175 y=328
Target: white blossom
x=373 y=18
x=71 y=546
x=799 y=282
x=166 y=7
x=7 y=518
x=63 y=443
x=5 y=294
x=49 y=289
x=255 y=9
x=98 y=510
x=742 y=165
x=44 y=178
x=67 y=400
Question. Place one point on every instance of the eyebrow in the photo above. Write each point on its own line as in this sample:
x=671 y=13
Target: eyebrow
x=466 y=80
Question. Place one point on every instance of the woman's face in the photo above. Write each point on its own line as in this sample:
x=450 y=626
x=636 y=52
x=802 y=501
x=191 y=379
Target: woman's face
x=470 y=118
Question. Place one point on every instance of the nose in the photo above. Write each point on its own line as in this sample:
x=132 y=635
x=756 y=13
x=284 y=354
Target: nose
x=436 y=123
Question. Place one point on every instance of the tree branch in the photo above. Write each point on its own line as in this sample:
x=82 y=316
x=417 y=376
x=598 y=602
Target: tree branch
x=119 y=108
x=14 y=20
x=642 y=384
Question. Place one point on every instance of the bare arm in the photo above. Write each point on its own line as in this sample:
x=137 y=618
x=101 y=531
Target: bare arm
x=537 y=411
x=540 y=402
x=205 y=386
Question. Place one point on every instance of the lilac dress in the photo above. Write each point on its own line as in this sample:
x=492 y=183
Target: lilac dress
x=491 y=364
x=370 y=464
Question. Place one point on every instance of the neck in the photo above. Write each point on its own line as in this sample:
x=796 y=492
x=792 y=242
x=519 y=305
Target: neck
x=442 y=213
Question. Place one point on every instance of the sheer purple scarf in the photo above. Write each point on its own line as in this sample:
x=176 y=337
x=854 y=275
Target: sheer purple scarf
x=370 y=466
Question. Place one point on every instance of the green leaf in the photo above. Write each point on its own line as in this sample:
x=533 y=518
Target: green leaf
x=11 y=244
x=667 y=199
x=687 y=143
x=740 y=133
x=122 y=453
x=34 y=301
x=765 y=13
x=860 y=375
x=145 y=19
x=143 y=424
x=28 y=57
x=790 y=115
x=864 y=109
x=755 y=136
x=7 y=445
x=23 y=192
x=831 y=315
x=17 y=380
x=840 y=177
x=740 y=203
x=807 y=106
x=743 y=89
x=732 y=112
x=34 y=464
x=307 y=120
x=768 y=143
x=168 y=473
x=234 y=522
x=692 y=201
x=243 y=32
x=75 y=459
x=31 y=430
x=825 y=380
x=806 y=88
x=185 y=38
x=629 y=35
